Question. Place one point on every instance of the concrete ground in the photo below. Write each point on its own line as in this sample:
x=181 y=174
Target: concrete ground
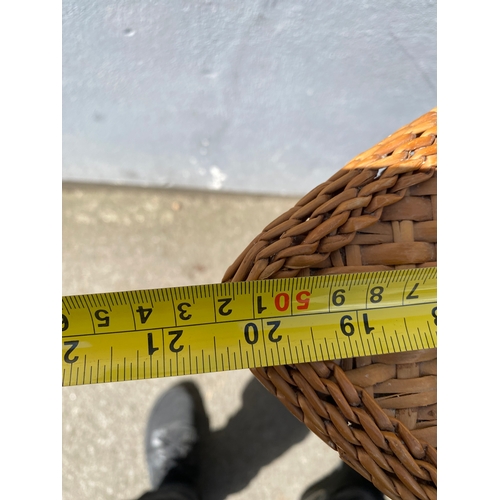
x=131 y=238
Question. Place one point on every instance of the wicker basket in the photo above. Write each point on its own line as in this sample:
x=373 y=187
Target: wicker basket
x=377 y=213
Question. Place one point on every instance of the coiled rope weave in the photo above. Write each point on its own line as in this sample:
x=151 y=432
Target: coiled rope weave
x=376 y=213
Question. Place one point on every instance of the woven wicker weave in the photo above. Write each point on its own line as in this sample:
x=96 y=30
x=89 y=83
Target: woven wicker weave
x=378 y=412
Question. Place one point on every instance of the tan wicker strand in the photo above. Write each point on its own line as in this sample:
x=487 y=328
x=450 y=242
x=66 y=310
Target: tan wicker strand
x=377 y=213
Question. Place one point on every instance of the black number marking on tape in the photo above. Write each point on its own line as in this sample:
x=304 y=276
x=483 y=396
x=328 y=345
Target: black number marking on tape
x=182 y=308
x=65 y=323
x=346 y=327
x=251 y=332
x=275 y=325
x=260 y=307
x=376 y=294
x=255 y=329
x=338 y=298
x=73 y=344
x=177 y=335
x=100 y=314
x=151 y=348
x=410 y=296
x=224 y=304
x=144 y=313
x=368 y=329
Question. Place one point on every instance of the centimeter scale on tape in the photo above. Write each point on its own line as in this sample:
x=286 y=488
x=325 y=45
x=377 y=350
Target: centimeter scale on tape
x=119 y=336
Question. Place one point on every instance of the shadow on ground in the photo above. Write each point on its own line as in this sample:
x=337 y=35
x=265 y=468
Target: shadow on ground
x=261 y=431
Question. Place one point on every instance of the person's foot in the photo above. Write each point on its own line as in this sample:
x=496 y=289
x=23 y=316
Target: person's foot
x=343 y=483
x=175 y=426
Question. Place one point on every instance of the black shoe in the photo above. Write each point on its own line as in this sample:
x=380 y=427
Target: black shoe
x=343 y=483
x=177 y=423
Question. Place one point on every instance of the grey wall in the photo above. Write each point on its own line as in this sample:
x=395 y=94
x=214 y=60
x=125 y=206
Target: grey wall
x=254 y=96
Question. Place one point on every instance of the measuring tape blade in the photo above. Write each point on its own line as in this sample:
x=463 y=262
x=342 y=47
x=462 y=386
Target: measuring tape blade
x=132 y=335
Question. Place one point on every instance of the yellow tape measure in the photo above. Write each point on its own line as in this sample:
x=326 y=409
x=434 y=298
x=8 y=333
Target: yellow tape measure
x=111 y=337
